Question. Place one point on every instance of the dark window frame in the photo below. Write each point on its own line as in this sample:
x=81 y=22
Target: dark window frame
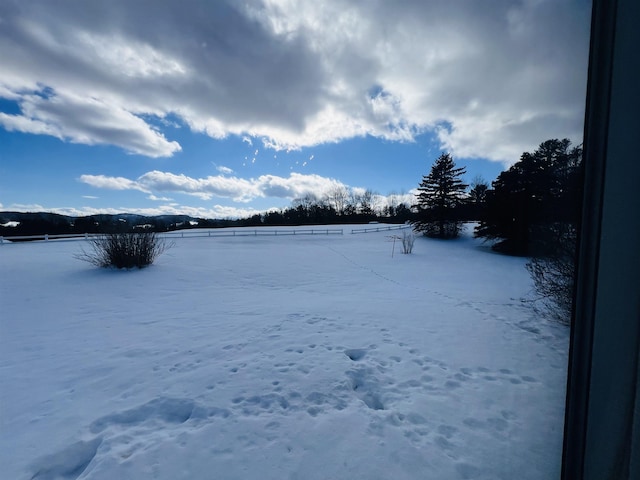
x=602 y=418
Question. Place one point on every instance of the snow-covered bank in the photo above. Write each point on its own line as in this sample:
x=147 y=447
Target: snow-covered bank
x=272 y=358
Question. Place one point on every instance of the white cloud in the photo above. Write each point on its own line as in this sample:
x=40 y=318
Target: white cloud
x=224 y=170
x=111 y=183
x=395 y=199
x=87 y=120
x=159 y=199
x=495 y=78
x=216 y=211
x=134 y=59
x=24 y=207
x=220 y=211
x=20 y=123
x=295 y=186
x=90 y=197
x=238 y=189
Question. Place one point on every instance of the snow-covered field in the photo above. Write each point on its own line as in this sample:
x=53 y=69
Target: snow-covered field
x=278 y=358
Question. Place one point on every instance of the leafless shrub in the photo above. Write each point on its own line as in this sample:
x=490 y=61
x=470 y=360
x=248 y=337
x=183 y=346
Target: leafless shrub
x=408 y=238
x=124 y=250
x=552 y=271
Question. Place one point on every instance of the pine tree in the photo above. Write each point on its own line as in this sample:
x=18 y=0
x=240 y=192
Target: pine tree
x=541 y=189
x=478 y=192
x=441 y=193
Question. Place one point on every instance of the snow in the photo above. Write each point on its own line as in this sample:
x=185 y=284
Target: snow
x=288 y=357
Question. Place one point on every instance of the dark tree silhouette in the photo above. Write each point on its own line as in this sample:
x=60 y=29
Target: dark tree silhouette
x=441 y=194
x=478 y=192
x=540 y=189
x=473 y=208
x=365 y=203
x=533 y=209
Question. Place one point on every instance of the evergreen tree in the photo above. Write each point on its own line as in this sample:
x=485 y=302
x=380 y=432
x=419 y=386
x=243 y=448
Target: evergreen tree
x=441 y=194
x=540 y=189
x=478 y=192
x=473 y=209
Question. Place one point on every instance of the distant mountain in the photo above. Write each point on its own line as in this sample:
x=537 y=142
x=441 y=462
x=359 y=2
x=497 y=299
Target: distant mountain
x=40 y=223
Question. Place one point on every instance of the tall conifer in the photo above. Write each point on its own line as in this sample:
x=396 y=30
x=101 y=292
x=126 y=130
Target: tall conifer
x=441 y=193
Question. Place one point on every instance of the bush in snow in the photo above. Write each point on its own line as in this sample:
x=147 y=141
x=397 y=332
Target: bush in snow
x=407 y=242
x=552 y=269
x=124 y=250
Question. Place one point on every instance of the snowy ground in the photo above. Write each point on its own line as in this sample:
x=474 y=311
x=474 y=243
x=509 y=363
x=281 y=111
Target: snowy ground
x=278 y=358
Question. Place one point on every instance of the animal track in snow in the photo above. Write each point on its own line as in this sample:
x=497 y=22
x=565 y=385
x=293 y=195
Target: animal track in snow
x=67 y=464
x=366 y=387
x=124 y=432
x=355 y=354
x=285 y=403
x=166 y=410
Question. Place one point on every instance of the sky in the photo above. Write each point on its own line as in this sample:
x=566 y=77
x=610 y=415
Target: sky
x=222 y=109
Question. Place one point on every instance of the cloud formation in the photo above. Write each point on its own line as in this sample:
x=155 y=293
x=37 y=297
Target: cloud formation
x=493 y=79
x=112 y=183
x=216 y=211
x=89 y=121
x=238 y=189
x=224 y=170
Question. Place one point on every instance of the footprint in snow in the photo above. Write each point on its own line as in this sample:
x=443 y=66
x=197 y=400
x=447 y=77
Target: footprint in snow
x=355 y=354
x=366 y=387
x=67 y=464
x=168 y=410
x=163 y=410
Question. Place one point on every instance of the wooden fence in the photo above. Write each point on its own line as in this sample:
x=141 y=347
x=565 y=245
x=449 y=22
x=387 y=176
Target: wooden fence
x=245 y=232
x=380 y=229
x=212 y=233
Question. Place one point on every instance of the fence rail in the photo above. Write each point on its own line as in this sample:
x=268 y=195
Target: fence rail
x=213 y=233
x=186 y=234
x=47 y=237
x=253 y=233
x=380 y=229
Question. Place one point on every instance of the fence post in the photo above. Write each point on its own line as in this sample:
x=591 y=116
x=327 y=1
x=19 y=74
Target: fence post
x=46 y=236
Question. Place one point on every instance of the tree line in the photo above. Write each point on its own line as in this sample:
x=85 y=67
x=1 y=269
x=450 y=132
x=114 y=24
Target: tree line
x=339 y=206
x=532 y=209
x=541 y=189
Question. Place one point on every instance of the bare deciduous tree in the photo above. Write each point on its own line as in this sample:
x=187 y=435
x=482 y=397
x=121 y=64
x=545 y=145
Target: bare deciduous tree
x=338 y=198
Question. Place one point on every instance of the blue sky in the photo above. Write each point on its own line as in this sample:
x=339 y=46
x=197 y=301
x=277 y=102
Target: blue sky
x=222 y=109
